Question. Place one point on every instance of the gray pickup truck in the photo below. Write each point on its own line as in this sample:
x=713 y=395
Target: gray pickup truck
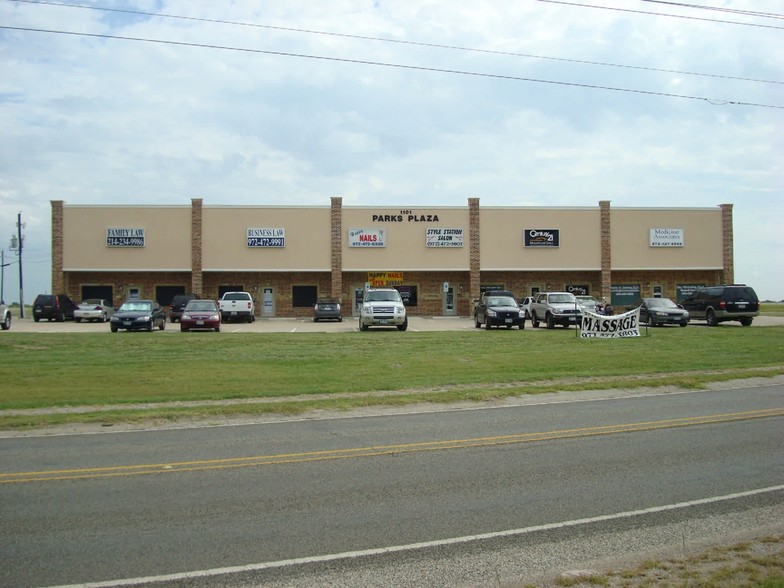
x=556 y=308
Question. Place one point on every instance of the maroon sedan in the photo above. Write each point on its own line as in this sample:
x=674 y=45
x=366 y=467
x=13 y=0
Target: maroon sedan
x=200 y=314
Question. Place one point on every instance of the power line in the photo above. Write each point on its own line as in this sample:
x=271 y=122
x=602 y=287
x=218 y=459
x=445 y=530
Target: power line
x=398 y=41
x=616 y=9
x=753 y=13
x=714 y=101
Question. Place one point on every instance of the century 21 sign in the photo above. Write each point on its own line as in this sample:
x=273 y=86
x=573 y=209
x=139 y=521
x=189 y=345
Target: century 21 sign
x=541 y=238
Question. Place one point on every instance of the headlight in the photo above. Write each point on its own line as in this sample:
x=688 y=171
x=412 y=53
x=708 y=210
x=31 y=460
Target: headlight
x=659 y=313
x=521 y=314
x=491 y=312
x=145 y=318
x=186 y=317
x=214 y=317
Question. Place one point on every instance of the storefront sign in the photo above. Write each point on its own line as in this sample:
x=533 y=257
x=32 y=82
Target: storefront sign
x=624 y=294
x=598 y=326
x=541 y=238
x=683 y=291
x=408 y=216
x=125 y=237
x=385 y=279
x=367 y=238
x=439 y=237
x=577 y=289
x=266 y=237
x=666 y=237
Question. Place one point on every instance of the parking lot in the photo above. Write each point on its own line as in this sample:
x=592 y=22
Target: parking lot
x=302 y=325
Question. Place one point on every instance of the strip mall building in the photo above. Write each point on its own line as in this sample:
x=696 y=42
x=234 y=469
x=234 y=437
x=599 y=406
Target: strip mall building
x=439 y=258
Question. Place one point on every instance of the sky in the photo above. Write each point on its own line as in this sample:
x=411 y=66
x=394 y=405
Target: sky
x=393 y=103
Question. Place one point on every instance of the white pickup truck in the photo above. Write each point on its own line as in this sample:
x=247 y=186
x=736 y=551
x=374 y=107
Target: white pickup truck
x=237 y=306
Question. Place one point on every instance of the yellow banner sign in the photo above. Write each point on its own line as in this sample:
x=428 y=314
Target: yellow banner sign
x=385 y=279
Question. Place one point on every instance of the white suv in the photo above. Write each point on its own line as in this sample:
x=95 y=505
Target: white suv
x=383 y=307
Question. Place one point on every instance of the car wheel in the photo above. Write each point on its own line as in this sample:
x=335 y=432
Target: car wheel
x=550 y=321
x=404 y=326
x=104 y=318
x=362 y=327
x=151 y=326
x=315 y=320
x=183 y=328
x=487 y=323
x=650 y=322
x=534 y=321
x=217 y=329
x=7 y=322
x=684 y=324
x=340 y=319
x=113 y=328
x=522 y=325
x=77 y=320
x=710 y=318
x=746 y=321
x=37 y=318
x=163 y=324
x=60 y=318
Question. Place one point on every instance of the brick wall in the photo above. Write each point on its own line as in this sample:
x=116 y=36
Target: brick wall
x=58 y=278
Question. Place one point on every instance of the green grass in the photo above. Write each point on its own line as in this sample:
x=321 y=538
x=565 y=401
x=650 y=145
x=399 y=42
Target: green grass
x=74 y=369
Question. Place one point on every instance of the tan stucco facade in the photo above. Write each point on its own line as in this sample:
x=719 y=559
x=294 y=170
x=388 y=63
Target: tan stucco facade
x=441 y=256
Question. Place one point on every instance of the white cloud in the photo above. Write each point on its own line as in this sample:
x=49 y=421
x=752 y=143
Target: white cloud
x=91 y=120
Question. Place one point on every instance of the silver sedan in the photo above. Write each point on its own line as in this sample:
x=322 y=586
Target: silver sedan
x=93 y=309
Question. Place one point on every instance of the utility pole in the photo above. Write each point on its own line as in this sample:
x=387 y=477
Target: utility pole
x=17 y=243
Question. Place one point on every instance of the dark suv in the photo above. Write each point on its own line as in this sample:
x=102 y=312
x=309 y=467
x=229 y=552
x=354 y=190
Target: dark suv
x=717 y=304
x=53 y=307
x=178 y=304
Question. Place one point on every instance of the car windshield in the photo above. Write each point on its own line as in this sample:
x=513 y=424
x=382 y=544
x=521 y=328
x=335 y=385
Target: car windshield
x=201 y=305
x=661 y=303
x=501 y=301
x=562 y=298
x=92 y=302
x=136 y=306
x=235 y=296
x=385 y=296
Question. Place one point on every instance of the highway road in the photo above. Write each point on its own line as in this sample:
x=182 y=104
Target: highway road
x=475 y=496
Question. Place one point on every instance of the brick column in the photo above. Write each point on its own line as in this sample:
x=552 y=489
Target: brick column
x=727 y=238
x=197 y=278
x=58 y=277
x=336 y=246
x=606 y=246
x=473 y=251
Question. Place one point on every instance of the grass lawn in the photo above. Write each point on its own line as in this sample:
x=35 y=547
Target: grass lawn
x=80 y=369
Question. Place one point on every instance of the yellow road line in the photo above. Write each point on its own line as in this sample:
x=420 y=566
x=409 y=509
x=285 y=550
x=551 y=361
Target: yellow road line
x=371 y=451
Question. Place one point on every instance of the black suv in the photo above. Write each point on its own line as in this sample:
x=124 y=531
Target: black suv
x=498 y=308
x=53 y=307
x=717 y=304
x=178 y=304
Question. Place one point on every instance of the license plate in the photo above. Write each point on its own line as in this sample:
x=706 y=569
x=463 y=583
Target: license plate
x=127 y=323
x=741 y=305
x=509 y=320
x=199 y=322
x=233 y=313
x=383 y=321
